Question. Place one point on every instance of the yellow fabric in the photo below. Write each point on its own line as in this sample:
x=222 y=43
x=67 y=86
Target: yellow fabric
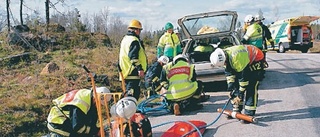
x=202 y=48
x=80 y=98
x=254 y=35
x=168 y=43
x=124 y=60
x=180 y=74
x=238 y=57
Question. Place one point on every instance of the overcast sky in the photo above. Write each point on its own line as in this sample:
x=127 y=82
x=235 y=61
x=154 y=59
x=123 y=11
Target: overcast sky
x=155 y=13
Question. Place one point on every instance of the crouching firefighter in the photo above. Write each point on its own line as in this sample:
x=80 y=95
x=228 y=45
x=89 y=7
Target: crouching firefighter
x=243 y=66
x=183 y=91
x=152 y=77
x=74 y=114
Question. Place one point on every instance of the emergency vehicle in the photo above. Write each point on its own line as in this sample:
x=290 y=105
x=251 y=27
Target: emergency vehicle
x=292 y=34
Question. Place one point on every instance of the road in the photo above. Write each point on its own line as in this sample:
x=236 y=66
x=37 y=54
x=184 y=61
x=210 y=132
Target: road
x=289 y=103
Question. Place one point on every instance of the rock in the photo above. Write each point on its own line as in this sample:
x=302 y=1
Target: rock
x=49 y=68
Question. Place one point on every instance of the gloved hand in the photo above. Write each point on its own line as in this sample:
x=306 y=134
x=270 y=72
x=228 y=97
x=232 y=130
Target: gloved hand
x=272 y=44
x=236 y=97
x=141 y=73
x=230 y=86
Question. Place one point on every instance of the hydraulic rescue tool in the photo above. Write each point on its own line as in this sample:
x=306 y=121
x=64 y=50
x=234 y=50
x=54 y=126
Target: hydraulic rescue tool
x=238 y=115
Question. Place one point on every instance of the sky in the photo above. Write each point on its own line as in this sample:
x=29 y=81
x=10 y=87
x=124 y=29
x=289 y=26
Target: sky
x=154 y=14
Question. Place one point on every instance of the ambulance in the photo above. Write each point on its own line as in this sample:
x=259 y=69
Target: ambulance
x=292 y=34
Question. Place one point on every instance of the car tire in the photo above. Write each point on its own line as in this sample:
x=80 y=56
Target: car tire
x=281 y=48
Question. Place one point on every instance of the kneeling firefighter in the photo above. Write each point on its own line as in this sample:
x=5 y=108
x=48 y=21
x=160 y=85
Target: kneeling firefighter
x=182 y=88
x=74 y=114
x=243 y=68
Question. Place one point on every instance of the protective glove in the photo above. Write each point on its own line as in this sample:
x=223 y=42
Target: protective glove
x=272 y=44
x=141 y=73
x=230 y=86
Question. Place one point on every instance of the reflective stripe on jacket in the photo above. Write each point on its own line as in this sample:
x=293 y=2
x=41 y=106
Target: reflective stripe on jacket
x=254 y=35
x=124 y=61
x=169 y=45
x=180 y=85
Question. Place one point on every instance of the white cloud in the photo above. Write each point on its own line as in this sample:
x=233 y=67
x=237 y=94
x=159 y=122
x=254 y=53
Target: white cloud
x=156 y=13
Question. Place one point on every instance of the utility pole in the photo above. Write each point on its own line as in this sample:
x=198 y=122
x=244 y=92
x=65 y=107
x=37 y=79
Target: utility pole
x=21 y=20
x=47 y=14
x=8 y=16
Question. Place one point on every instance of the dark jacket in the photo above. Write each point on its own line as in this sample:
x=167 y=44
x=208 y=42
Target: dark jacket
x=153 y=74
x=266 y=34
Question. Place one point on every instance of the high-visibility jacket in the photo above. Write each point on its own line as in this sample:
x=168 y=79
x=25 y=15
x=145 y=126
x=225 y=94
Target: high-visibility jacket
x=169 y=45
x=60 y=116
x=242 y=55
x=126 y=64
x=254 y=35
x=181 y=86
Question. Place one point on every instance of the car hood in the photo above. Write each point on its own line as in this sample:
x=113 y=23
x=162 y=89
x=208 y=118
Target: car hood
x=209 y=23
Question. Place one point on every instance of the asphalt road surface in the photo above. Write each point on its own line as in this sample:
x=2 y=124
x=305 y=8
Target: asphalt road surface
x=289 y=103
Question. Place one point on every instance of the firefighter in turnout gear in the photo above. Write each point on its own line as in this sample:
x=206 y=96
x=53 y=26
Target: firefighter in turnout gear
x=74 y=114
x=266 y=34
x=183 y=91
x=253 y=33
x=169 y=43
x=132 y=59
x=152 y=77
x=243 y=65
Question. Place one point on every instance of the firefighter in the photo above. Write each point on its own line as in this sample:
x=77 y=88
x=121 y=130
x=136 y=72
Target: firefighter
x=183 y=91
x=132 y=59
x=169 y=43
x=253 y=33
x=74 y=114
x=152 y=76
x=266 y=34
x=243 y=65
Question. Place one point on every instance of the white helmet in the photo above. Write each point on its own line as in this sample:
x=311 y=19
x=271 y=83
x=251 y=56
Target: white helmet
x=248 y=19
x=103 y=90
x=217 y=58
x=113 y=111
x=164 y=59
x=258 y=17
x=178 y=57
x=126 y=107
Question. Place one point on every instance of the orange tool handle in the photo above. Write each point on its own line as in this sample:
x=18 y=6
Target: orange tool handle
x=238 y=115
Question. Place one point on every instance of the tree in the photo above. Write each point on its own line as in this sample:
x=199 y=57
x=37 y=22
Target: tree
x=276 y=13
x=21 y=20
x=117 y=29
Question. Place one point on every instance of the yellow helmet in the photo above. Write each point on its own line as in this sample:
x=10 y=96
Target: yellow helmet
x=135 y=24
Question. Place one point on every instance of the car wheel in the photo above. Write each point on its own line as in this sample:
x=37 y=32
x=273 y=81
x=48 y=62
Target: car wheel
x=281 y=48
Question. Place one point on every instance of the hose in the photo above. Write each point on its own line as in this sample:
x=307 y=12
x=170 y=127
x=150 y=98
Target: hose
x=195 y=127
x=224 y=107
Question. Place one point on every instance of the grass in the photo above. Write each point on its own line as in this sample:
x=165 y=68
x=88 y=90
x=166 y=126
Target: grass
x=26 y=95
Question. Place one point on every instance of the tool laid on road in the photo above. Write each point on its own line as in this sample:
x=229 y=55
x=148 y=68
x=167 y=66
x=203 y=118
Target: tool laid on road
x=238 y=115
x=181 y=128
